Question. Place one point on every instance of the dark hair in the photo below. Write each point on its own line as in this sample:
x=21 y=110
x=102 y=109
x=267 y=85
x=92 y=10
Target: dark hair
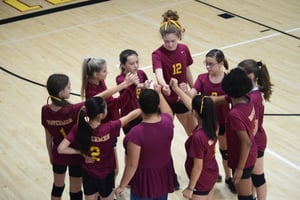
x=149 y=101
x=92 y=107
x=205 y=108
x=219 y=56
x=170 y=24
x=55 y=84
x=89 y=66
x=236 y=83
x=261 y=75
x=124 y=55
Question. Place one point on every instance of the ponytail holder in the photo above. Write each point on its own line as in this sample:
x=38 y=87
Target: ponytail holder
x=202 y=104
x=259 y=64
x=56 y=98
x=86 y=117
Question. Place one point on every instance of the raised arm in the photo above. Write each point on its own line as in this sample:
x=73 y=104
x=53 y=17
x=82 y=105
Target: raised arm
x=164 y=106
x=129 y=80
x=130 y=116
x=186 y=99
x=161 y=81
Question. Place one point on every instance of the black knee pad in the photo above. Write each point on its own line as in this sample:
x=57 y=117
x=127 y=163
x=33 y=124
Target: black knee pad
x=224 y=154
x=250 y=197
x=258 y=179
x=76 y=196
x=57 y=191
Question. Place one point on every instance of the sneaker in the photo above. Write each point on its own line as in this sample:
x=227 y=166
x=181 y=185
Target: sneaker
x=230 y=185
x=177 y=185
x=219 y=178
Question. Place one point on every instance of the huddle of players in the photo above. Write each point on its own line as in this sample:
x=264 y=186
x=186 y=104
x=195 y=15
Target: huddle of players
x=223 y=107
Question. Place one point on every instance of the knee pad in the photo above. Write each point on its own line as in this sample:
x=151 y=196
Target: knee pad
x=224 y=154
x=76 y=196
x=250 y=197
x=258 y=180
x=57 y=191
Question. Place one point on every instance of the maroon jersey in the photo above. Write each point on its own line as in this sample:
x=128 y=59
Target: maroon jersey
x=258 y=102
x=113 y=104
x=133 y=103
x=204 y=86
x=102 y=148
x=199 y=146
x=58 y=124
x=155 y=174
x=173 y=64
x=241 y=118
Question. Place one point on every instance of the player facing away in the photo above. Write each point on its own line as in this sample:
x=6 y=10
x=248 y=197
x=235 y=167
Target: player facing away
x=200 y=165
x=96 y=143
x=149 y=165
x=261 y=91
x=58 y=117
x=241 y=128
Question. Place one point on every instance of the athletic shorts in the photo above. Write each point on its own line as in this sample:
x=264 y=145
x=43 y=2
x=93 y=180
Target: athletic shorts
x=246 y=172
x=200 y=192
x=131 y=124
x=74 y=170
x=260 y=154
x=179 y=108
x=92 y=185
x=136 y=197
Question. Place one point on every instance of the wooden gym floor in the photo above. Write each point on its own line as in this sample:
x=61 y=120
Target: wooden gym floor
x=36 y=47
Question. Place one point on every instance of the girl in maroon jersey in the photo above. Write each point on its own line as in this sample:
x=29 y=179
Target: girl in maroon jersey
x=201 y=165
x=58 y=117
x=258 y=73
x=94 y=73
x=240 y=127
x=149 y=166
x=172 y=60
x=96 y=140
x=210 y=84
x=129 y=63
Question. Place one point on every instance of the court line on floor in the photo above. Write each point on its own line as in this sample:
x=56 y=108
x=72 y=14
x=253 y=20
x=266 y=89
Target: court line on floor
x=248 y=19
x=284 y=160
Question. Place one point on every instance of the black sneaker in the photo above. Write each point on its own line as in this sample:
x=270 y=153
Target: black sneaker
x=219 y=180
x=177 y=185
x=230 y=185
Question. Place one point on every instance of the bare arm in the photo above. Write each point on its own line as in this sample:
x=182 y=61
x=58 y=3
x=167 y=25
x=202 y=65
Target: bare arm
x=244 y=152
x=64 y=148
x=49 y=144
x=161 y=81
x=164 y=106
x=189 y=77
x=132 y=160
x=130 y=79
x=219 y=99
x=195 y=174
x=130 y=116
x=186 y=99
x=192 y=92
